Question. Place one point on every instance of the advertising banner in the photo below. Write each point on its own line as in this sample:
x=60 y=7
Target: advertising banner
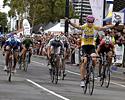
x=26 y=27
x=97 y=11
x=118 y=16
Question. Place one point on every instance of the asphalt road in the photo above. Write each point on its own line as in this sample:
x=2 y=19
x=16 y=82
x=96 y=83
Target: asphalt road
x=35 y=84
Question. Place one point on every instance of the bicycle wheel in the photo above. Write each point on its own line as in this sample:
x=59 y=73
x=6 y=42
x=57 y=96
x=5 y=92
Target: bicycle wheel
x=91 y=80
x=10 y=70
x=107 y=76
x=20 y=62
x=56 y=74
x=86 y=85
x=27 y=62
x=102 y=76
x=52 y=74
x=63 y=70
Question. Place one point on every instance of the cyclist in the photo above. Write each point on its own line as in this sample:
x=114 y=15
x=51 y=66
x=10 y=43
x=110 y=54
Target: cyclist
x=27 y=42
x=11 y=42
x=66 y=43
x=106 y=46
x=55 y=45
x=87 y=42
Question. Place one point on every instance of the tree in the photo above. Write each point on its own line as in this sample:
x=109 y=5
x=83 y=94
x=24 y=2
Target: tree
x=3 y=21
x=40 y=11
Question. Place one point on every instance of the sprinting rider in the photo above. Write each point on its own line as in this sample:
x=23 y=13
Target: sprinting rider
x=55 y=45
x=66 y=43
x=106 y=46
x=26 y=44
x=11 y=42
x=87 y=42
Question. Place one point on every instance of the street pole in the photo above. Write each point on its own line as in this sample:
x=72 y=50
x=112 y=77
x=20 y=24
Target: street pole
x=66 y=15
x=80 y=21
x=104 y=11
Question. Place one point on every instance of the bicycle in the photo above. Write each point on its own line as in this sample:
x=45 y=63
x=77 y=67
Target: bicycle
x=10 y=64
x=89 y=79
x=62 y=67
x=105 y=70
x=24 y=64
x=54 y=68
x=27 y=60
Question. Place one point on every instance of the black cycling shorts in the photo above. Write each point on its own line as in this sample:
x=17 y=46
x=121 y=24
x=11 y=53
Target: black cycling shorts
x=88 y=49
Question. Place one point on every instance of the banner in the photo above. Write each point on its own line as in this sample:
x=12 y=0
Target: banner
x=118 y=16
x=97 y=11
x=26 y=27
x=119 y=51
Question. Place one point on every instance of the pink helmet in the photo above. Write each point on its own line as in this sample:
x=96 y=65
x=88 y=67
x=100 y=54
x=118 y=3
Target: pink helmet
x=90 y=17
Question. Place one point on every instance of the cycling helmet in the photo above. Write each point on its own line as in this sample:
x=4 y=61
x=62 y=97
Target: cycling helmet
x=57 y=38
x=107 y=40
x=90 y=18
x=13 y=41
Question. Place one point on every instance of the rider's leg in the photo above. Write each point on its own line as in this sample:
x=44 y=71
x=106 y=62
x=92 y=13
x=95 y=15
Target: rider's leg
x=30 y=54
x=15 y=60
x=23 y=54
x=94 y=59
x=7 y=57
x=83 y=71
x=110 y=54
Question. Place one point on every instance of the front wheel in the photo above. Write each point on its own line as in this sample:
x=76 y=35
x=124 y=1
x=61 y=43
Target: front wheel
x=107 y=76
x=91 y=80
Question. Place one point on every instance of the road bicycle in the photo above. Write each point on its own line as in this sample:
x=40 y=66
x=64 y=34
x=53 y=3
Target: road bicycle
x=105 y=70
x=26 y=63
x=89 y=79
x=10 y=64
x=55 y=67
x=27 y=60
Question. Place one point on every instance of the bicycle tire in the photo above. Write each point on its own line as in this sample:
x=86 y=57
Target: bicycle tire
x=91 y=80
x=102 y=76
x=52 y=73
x=27 y=62
x=85 y=87
x=107 y=76
x=56 y=75
x=10 y=70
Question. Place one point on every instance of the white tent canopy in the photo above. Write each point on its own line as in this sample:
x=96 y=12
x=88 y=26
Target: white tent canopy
x=56 y=28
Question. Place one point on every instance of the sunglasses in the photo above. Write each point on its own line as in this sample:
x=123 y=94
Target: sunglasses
x=90 y=22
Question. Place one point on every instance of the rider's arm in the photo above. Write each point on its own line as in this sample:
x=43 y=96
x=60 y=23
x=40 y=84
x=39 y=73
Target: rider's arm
x=103 y=28
x=48 y=46
x=74 y=25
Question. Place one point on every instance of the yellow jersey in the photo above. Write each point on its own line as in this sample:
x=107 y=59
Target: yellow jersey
x=88 y=35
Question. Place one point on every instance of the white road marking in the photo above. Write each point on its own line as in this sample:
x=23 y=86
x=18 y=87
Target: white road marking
x=72 y=72
x=118 y=84
x=45 y=89
x=79 y=74
x=38 y=62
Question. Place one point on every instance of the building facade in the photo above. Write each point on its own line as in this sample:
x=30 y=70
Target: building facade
x=82 y=8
